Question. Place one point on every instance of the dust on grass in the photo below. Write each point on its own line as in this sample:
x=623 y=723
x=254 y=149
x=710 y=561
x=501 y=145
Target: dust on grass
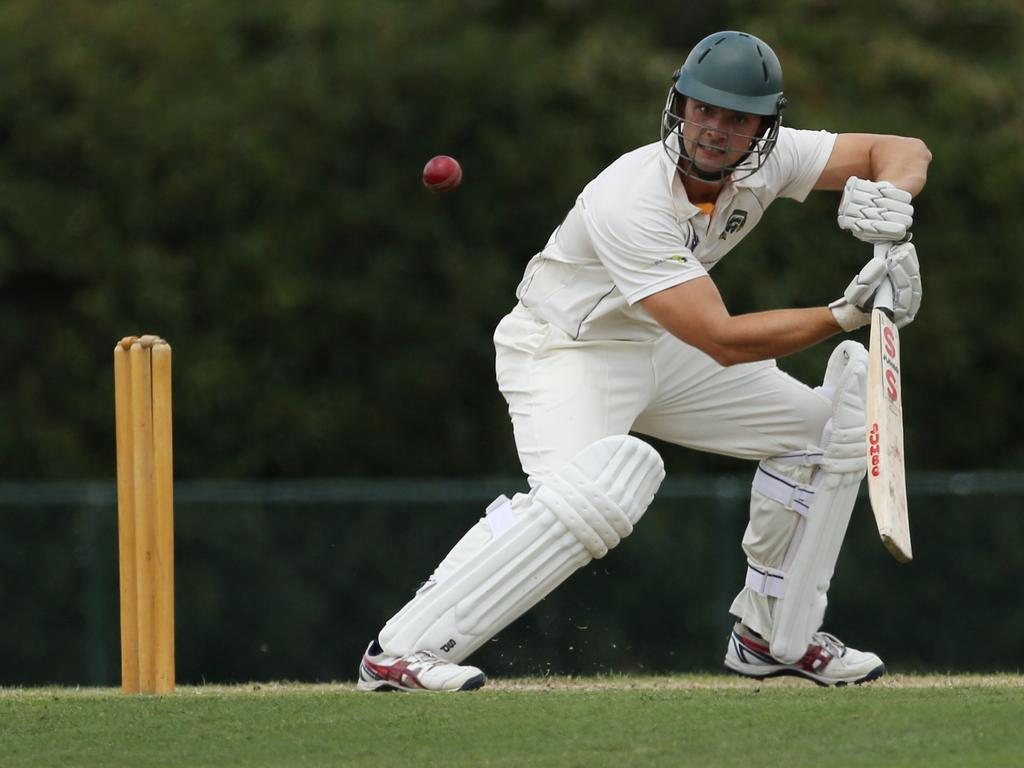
x=551 y=683
x=727 y=682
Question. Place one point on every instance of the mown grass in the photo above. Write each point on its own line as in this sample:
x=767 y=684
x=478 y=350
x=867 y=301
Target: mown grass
x=608 y=721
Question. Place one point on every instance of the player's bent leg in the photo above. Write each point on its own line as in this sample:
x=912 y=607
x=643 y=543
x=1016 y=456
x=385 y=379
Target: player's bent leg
x=800 y=508
x=523 y=549
x=780 y=496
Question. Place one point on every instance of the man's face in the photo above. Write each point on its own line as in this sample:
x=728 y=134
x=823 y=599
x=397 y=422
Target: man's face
x=716 y=138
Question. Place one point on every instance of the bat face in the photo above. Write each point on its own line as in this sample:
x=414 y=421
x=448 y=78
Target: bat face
x=886 y=468
x=886 y=390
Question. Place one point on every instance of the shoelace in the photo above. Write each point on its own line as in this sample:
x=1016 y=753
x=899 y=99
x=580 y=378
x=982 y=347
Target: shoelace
x=426 y=658
x=830 y=643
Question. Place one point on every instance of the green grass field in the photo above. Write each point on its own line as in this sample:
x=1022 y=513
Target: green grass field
x=587 y=722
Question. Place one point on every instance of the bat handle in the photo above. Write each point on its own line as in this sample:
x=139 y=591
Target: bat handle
x=884 y=295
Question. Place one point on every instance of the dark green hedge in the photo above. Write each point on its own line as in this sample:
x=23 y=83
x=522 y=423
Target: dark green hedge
x=243 y=179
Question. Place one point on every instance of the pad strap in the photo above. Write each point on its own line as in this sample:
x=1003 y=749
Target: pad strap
x=801 y=458
x=499 y=515
x=766 y=581
x=794 y=497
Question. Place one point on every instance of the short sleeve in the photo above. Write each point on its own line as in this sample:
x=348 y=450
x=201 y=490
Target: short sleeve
x=798 y=160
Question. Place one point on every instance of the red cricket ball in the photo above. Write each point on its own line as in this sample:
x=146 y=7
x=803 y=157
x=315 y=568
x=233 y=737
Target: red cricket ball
x=442 y=174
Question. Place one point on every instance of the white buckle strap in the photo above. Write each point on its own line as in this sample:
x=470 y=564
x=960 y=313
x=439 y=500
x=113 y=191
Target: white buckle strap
x=801 y=458
x=499 y=515
x=792 y=496
x=766 y=581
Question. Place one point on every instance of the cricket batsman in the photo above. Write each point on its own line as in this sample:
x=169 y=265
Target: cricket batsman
x=619 y=330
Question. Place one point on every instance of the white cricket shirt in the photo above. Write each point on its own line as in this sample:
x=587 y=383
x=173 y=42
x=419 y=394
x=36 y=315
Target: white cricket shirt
x=633 y=232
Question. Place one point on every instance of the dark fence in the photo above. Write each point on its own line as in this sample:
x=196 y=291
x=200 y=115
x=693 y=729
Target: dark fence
x=290 y=580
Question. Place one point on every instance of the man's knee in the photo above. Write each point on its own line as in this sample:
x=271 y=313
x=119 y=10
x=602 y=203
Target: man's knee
x=521 y=551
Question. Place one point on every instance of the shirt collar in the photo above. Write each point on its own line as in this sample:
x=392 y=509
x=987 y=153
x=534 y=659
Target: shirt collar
x=682 y=202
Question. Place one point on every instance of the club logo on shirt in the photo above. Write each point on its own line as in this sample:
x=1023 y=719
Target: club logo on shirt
x=735 y=223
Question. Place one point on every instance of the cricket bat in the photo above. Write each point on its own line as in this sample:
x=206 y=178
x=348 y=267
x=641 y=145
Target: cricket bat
x=887 y=484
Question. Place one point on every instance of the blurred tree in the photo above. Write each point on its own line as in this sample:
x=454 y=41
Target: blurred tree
x=244 y=180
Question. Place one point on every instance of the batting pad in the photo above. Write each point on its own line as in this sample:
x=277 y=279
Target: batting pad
x=491 y=578
x=814 y=549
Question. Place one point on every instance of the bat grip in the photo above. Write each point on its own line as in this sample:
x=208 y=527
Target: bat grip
x=884 y=295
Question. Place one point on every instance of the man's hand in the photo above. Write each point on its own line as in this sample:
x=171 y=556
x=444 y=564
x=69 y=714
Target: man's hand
x=901 y=266
x=875 y=211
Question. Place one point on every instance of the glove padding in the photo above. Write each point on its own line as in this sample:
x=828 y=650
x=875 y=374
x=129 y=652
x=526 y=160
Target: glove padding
x=875 y=211
x=901 y=266
x=905 y=272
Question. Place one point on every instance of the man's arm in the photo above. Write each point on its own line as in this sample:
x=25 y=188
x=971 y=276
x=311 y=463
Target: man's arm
x=901 y=161
x=694 y=312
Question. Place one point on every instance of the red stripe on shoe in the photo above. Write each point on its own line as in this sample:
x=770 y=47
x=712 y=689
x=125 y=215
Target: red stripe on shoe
x=815 y=660
x=397 y=673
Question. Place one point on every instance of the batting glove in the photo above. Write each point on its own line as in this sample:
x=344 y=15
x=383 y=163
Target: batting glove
x=875 y=211
x=901 y=266
x=853 y=309
x=905 y=273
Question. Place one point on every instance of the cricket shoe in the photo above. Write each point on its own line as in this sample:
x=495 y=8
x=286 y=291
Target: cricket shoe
x=420 y=671
x=827 y=661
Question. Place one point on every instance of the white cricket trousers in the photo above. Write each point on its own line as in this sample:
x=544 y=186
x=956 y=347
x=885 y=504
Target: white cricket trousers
x=564 y=395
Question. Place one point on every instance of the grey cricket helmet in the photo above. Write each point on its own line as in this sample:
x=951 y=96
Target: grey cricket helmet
x=730 y=70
